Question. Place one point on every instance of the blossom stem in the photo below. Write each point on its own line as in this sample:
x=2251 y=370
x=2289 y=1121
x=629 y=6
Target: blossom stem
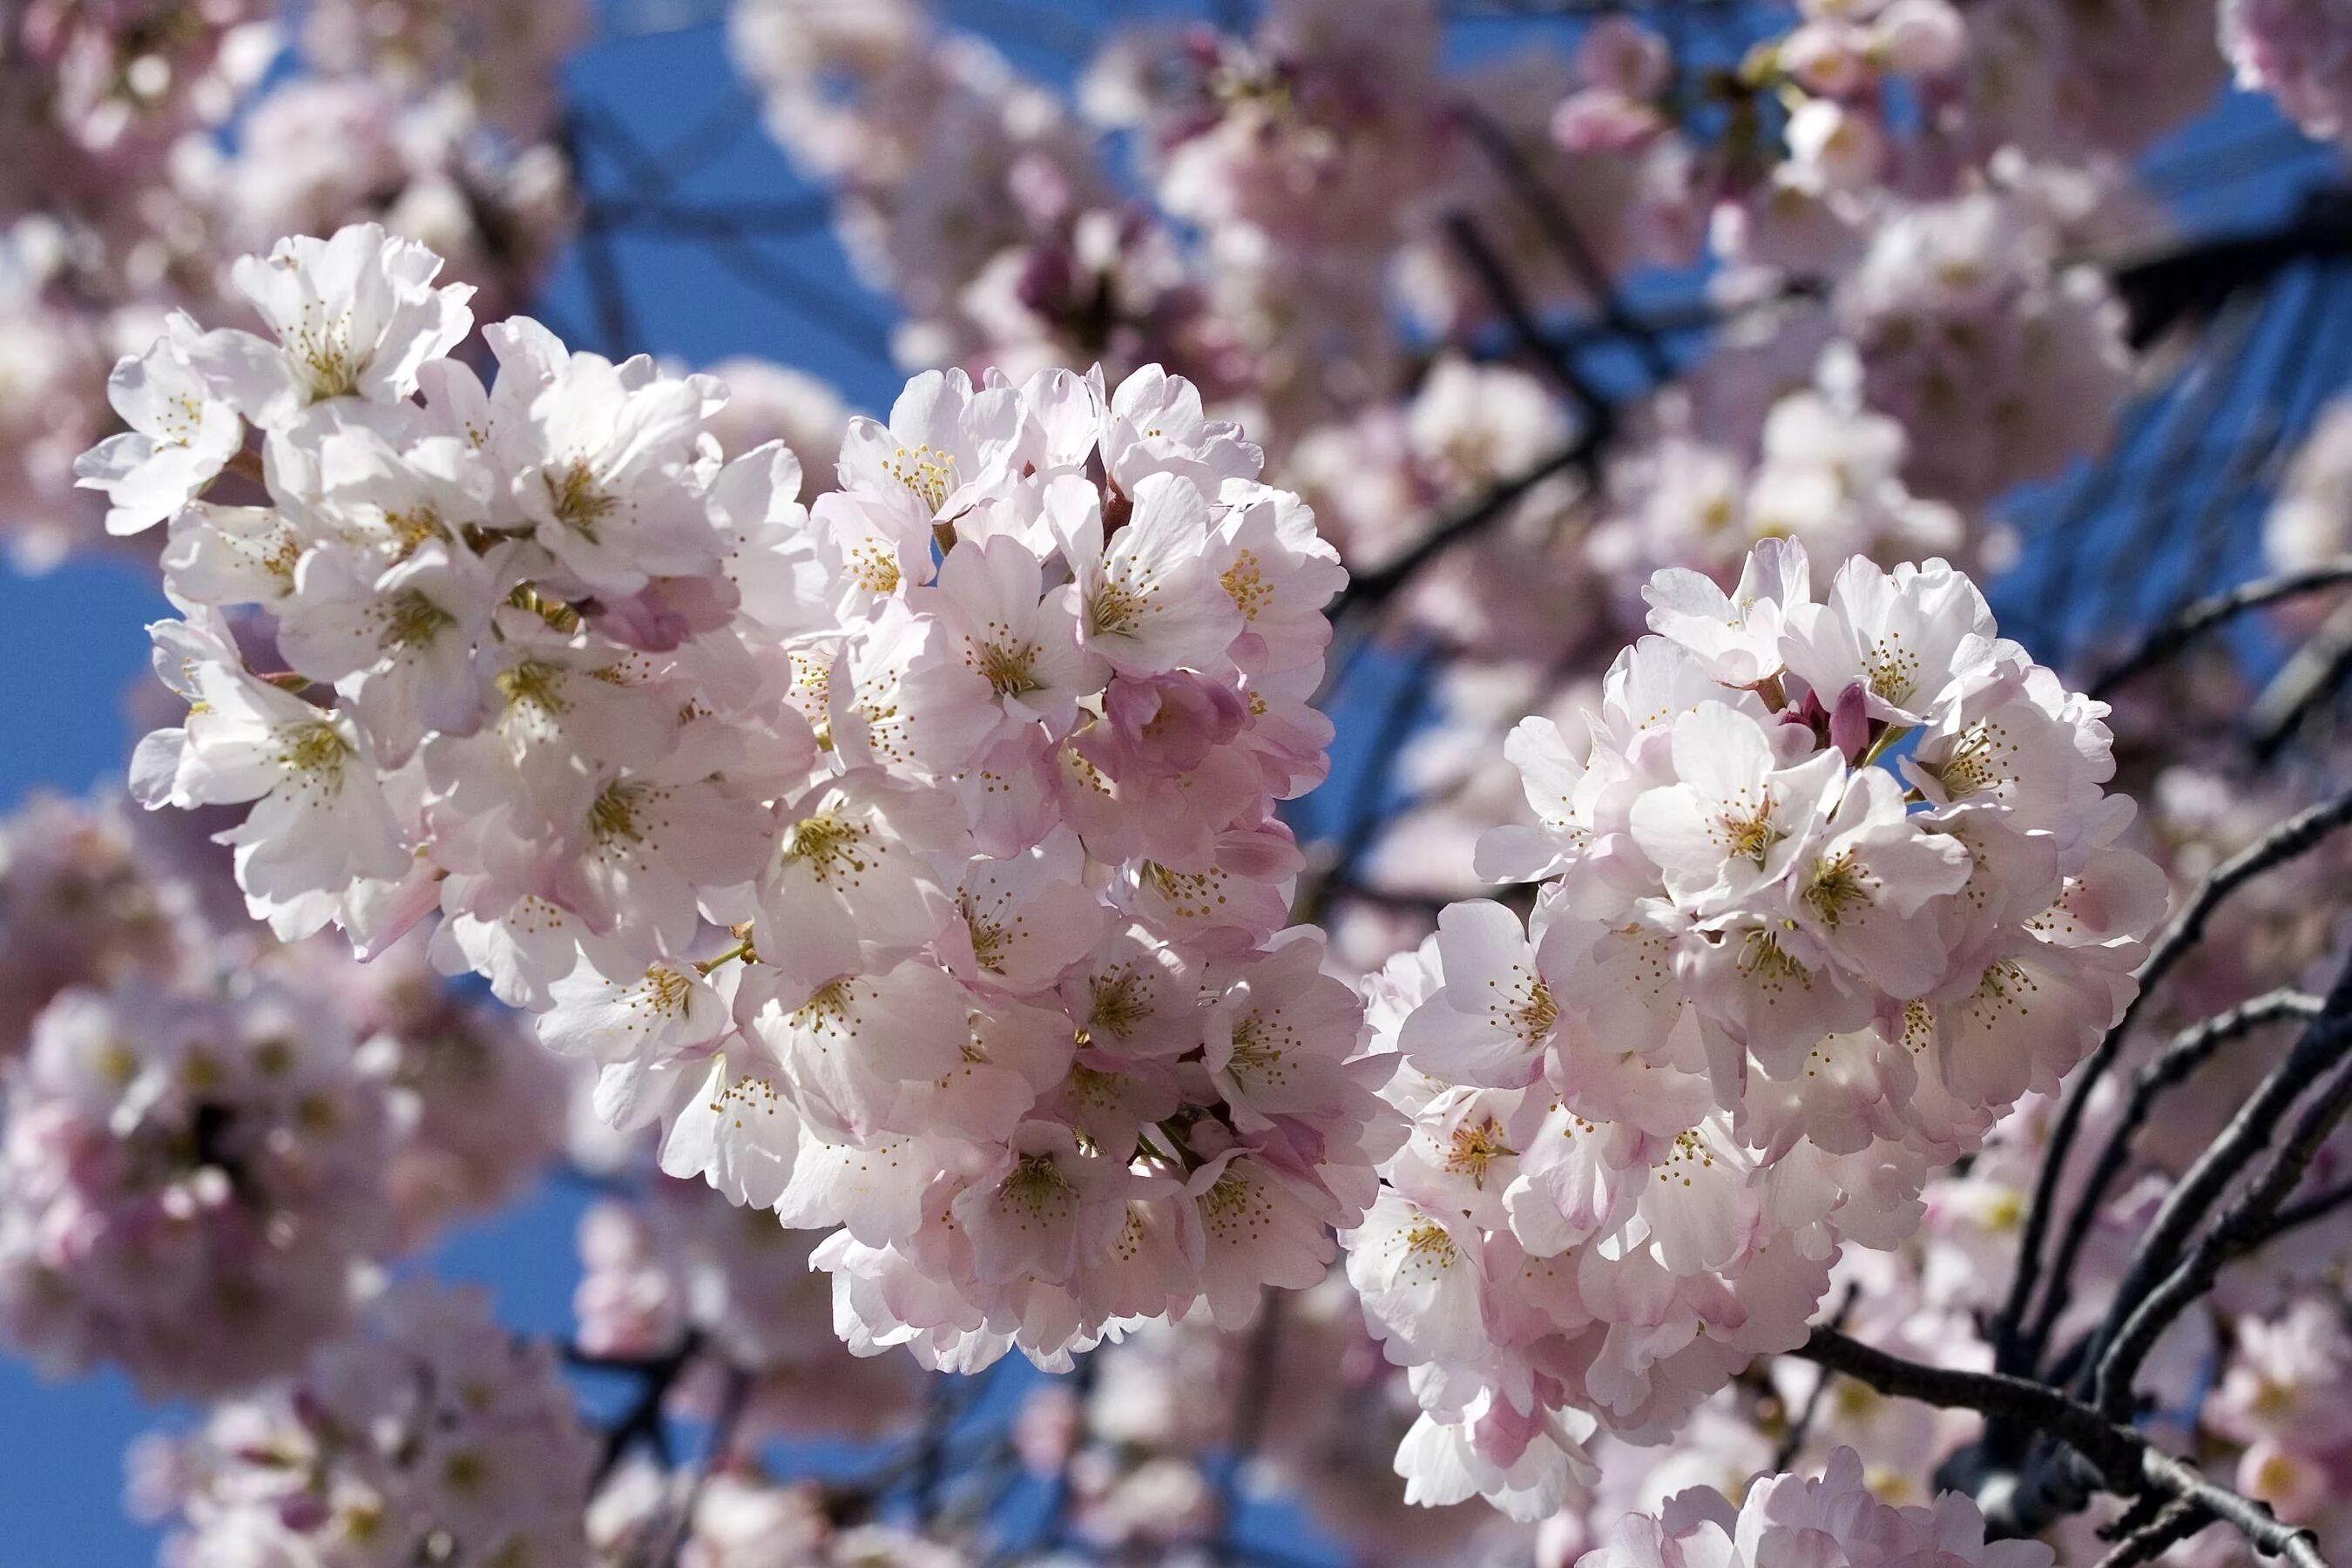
x=1888 y=738
x=740 y=949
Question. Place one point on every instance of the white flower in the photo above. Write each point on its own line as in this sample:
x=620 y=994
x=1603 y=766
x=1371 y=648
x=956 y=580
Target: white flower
x=1149 y=601
x=1738 y=814
x=1738 y=635
x=733 y=1125
x=1024 y=644
x=1498 y=1013
x=182 y=433
x=353 y=316
x=600 y=464
x=668 y=1009
x=1420 y=1283
x=320 y=819
x=1905 y=637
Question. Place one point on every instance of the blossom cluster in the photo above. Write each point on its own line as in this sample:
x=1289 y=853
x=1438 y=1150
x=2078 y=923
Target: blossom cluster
x=427 y=1436
x=743 y=1517
x=210 y=1139
x=190 y=1184
x=1834 y=885
x=909 y=857
x=1833 y=1520
x=148 y=145
x=681 y=1266
x=1896 y=213
x=2298 y=51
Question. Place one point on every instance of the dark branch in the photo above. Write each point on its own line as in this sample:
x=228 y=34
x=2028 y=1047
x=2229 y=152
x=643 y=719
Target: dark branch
x=2291 y=838
x=2206 y=614
x=1560 y=231
x=1369 y=590
x=642 y=1422
x=2125 y=1462
x=2307 y=680
x=1503 y=289
x=733 y=1399
x=2158 y=1282
x=2187 y=1051
x=2144 y=1539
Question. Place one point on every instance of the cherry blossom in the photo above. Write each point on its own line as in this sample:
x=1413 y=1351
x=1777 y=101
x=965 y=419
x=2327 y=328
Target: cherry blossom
x=1835 y=1518
x=948 y=914
x=429 y=1430
x=1767 y=981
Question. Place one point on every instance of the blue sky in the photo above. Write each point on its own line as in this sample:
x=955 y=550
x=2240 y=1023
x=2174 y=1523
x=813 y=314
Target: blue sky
x=73 y=643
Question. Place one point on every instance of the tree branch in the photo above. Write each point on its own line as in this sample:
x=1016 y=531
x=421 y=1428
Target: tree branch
x=1369 y=590
x=2166 y=1526
x=2204 y=614
x=2188 y=1051
x=734 y=1397
x=2290 y=839
x=2126 y=1463
x=1561 y=232
x=2146 y=1303
x=1495 y=278
x=642 y=1422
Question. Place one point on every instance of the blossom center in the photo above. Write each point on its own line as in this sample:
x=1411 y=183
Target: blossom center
x=576 y=500
x=926 y=471
x=831 y=847
x=1474 y=1146
x=1839 y=884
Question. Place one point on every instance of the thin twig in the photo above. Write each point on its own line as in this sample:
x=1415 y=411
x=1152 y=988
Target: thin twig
x=2318 y=1206
x=2290 y=839
x=2253 y=1519
x=2183 y=1055
x=2145 y=1304
x=1503 y=289
x=1253 y=1403
x=2173 y=1522
x=607 y=294
x=642 y=1422
x=2309 y=678
x=2126 y=1462
x=1369 y=590
x=734 y=1397
x=2203 y=614
x=1800 y=1426
x=1561 y=232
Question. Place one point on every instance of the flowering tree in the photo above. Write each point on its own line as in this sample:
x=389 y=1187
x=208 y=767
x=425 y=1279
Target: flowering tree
x=1809 y=1013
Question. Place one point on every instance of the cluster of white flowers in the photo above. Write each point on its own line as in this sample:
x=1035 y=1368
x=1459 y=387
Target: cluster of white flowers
x=430 y=1437
x=910 y=857
x=187 y=1183
x=743 y=1517
x=682 y=1264
x=206 y=1138
x=1836 y=886
x=1827 y=471
x=2001 y=359
x=1834 y=1521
